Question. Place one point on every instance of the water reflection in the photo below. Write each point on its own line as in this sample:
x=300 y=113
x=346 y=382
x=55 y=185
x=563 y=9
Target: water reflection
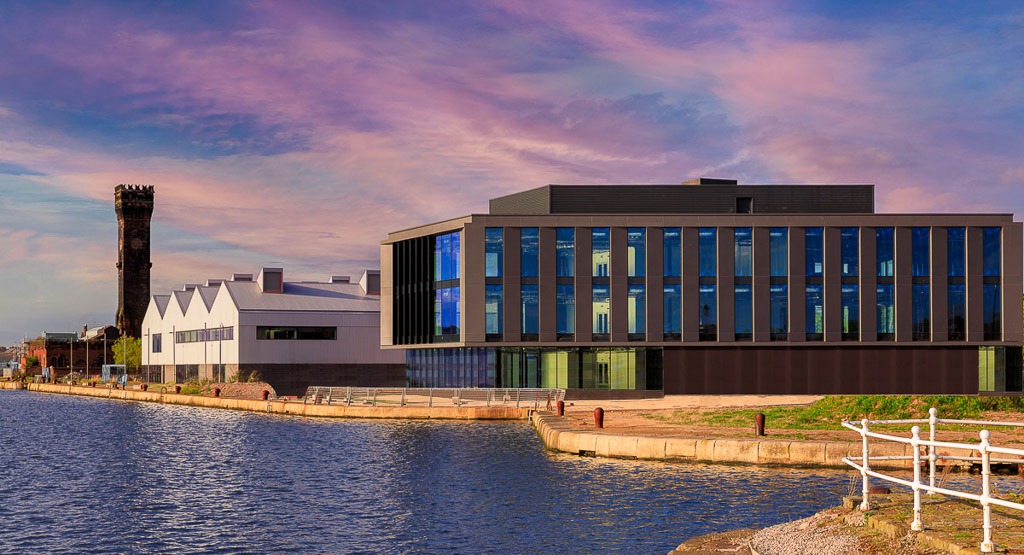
x=86 y=475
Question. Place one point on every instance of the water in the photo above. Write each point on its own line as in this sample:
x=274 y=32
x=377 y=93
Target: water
x=81 y=475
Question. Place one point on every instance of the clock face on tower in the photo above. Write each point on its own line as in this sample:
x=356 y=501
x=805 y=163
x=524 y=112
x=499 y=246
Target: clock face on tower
x=136 y=243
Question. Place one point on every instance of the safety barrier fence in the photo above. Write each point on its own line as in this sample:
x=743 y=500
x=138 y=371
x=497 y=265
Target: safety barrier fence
x=536 y=398
x=985 y=451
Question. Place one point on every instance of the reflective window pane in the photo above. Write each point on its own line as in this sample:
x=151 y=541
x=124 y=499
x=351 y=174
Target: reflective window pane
x=920 y=245
x=744 y=306
x=602 y=309
x=601 y=242
x=529 y=313
x=707 y=247
x=885 y=248
x=708 y=303
x=636 y=251
x=494 y=238
x=956 y=306
x=565 y=247
x=566 y=309
x=528 y=252
x=813 y=251
x=815 y=316
x=493 y=309
x=778 y=251
x=849 y=250
x=955 y=250
x=779 y=299
x=672 y=256
x=921 y=312
x=743 y=247
x=636 y=305
x=850 y=312
x=993 y=313
x=673 y=312
x=991 y=251
x=885 y=311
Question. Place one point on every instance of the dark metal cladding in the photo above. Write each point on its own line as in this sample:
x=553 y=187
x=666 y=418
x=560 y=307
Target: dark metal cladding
x=704 y=198
x=134 y=207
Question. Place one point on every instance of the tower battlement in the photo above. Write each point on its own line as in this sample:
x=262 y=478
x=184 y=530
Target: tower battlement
x=133 y=201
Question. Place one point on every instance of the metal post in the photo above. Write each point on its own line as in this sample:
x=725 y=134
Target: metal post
x=986 y=494
x=933 y=421
x=865 y=504
x=430 y=397
x=915 y=442
x=87 y=358
x=403 y=396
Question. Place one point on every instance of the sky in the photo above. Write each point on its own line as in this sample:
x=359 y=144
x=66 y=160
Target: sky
x=300 y=133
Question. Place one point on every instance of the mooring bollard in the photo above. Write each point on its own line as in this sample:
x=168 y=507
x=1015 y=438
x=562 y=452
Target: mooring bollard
x=599 y=417
x=144 y=386
x=265 y=395
x=216 y=392
x=759 y=424
x=561 y=408
x=177 y=389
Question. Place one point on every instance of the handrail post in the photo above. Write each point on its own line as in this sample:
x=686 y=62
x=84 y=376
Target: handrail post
x=865 y=504
x=430 y=397
x=986 y=493
x=933 y=421
x=915 y=442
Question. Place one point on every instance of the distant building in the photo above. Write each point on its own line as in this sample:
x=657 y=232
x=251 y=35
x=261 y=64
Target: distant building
x=67 y=351
x=707 y=287
x=292 y=335
x=134 y=207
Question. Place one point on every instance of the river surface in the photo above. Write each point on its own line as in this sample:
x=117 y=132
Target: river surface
x=81 y=475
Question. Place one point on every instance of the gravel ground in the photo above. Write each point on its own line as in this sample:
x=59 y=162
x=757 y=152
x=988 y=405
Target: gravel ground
x=820 y=534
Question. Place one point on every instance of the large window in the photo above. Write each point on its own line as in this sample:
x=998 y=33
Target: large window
x=990 y=249
x=885 y=312
x=494 y=239
x=600 y=243
x=849 y=238
x=708 y=299
x=813 y=251
x=992 y=269
x=157 y=343
x=956 y=306
x=955 y=251
x=636 y=251
x=565 y=247
x=921 y=312
x=528 y=251
x=446 y=285
x=743 y=251
x=851 y=312
x=778 y=251
x=815 y=317
x=707 y=249
x=203 y=335
x=493 y=310
x=636 y=304
x=744 y=306
x=993 y=314
x=301 y=333
x=885 y=245
x=566 y=309
x=779 y=299
x=446 y=312
x=529 y=312
x=446 y=256
x=602 y=309
x=673 y=315
x=919 y=249
x=672 y=256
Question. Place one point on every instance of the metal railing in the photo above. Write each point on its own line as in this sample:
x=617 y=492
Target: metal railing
x=536 y=398
x=985 y=450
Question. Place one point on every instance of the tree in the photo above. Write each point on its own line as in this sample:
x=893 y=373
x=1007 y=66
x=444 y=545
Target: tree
x=128 y=351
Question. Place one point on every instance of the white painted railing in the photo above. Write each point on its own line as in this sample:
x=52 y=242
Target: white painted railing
x=536 y=398
x=985 y=451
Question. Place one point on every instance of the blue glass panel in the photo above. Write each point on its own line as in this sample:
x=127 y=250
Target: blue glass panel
x=921 y=312
x=528 y=252
x=566 y=310
x=955 y=250
x=673 y=309
x=815 y=308
x=779 y=299
x=437 y=258
x=885 y=311
x=494 y=239
x=813 y=252
x=885 y=248
x=672 y=256
x=455 y=255
x=957 y=312
x=493 y=312
x=602 y=308
x=850 y=311
x=778 y=251
x=438 y=312
x=743 y=245
x=707 y=248
x=744 y=306
x=636 y=251
x=636 y=306
x=601 y=241
x=565 y=247
x=993 y=313
x=708 y=297
x=849 y=250
x=530 y=315
x=919 y=249
x=990 y=249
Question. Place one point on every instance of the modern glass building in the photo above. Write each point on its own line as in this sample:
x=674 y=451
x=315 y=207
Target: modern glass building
x=707 y=287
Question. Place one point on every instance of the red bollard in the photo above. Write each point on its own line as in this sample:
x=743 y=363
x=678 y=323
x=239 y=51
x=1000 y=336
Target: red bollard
x=216 y=392
x=177 y=389
x=759 y=424
x=144 y=386
x=561 y=408
x=599 y=417
x=266 y=395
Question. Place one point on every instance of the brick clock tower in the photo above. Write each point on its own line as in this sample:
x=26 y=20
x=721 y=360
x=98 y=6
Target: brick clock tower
x=134 y=207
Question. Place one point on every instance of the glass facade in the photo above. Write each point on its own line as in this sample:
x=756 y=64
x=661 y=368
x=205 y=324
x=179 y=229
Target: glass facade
x=528 y=251
x=494 y=240
x=921 y=312
x=458 y=367
x=919 y=250
x=1000 y=369
x=602 y=309
x=990 y=251
x=672 y=256
x=885 y=249
x=956 y=307
x=814 y=248
x=707 y=250
x=446 y=256
x=636 y=305
x=779 y=298
x=565 y=297
x=778 y=251
x=993 y=317
x=565 y=251
x=885 y=311
x=636 y=251
x=851 y=312
x=446 y=312
x=493 y=309
x=447 y=315
x=956 y=251
x=849 y=239
x=673 y=313
x=743 y=251
x=530 y=310
x=815 y=317
x=708 y=299
x=744 y=306
x=600 y=242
